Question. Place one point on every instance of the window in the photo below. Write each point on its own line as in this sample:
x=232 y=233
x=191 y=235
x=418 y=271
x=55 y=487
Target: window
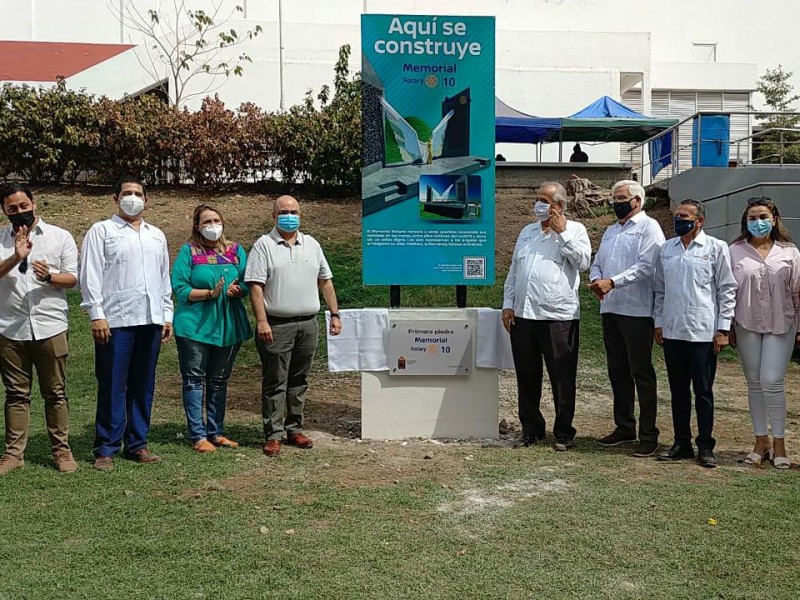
x=704 y=52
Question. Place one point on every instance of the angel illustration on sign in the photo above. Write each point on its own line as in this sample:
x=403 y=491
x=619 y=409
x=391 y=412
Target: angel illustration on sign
x=410 y=146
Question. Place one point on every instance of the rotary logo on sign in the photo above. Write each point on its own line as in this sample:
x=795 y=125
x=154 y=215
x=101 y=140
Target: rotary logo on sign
x=431 y=81
x=432 y=349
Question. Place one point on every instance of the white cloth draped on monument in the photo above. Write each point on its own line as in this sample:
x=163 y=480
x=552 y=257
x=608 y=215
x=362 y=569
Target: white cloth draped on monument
x=363 y=344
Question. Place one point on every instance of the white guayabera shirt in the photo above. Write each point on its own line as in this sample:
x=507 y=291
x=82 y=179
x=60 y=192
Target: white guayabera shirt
x=124 y=274
x=31 y=309
x=544 y=277
x=695 y=291
x=626 y=256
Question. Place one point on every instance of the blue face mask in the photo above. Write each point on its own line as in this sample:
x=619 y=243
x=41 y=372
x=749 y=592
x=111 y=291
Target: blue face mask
x=288 y=223
x=759 y=228
x=683 y=227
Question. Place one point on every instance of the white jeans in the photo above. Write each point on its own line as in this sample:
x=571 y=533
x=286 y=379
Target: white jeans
x=765 y=358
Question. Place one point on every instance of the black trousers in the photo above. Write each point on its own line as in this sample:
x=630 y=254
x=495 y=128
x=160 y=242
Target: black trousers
x=629 y=353
x=557 y=343
x=695 y=364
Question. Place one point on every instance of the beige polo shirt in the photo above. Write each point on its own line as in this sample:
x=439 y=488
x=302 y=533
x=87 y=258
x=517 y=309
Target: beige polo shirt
x=289 y=273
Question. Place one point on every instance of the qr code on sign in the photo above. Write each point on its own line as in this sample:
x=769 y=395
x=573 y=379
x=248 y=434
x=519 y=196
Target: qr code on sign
x=474 y=267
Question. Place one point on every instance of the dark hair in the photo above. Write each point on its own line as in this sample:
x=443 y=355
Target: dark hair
x=699 y=207
x=9 y=189
x=779 y=232
x=129 y=179
x=197 y=237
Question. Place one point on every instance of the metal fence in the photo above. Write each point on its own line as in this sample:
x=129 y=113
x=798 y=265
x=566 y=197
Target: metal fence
x=786 y=137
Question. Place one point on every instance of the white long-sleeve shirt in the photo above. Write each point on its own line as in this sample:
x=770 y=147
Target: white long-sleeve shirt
x=124 y=274
x=626 y=257
x=31 y=309
x=544 y=277
x=695 y=291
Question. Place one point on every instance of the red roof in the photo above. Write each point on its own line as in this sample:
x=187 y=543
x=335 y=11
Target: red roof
x=46 y=61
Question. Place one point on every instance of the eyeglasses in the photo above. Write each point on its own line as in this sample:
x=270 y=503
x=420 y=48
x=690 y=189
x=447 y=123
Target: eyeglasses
x=757 y=199
x=288 y=212
x=616 y=199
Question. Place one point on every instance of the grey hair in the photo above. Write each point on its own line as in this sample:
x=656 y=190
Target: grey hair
x=634 y=188
x=699 y=207
x=559 y=193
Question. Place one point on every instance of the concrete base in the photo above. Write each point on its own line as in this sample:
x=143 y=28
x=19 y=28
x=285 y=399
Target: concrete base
x=430 y=406
x=514 y=175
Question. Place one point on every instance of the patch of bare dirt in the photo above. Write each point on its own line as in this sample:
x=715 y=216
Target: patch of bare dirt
x=392 y=464
x=247 y=214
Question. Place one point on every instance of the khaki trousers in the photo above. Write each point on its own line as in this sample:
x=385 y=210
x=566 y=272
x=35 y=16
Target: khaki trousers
x=17 y=360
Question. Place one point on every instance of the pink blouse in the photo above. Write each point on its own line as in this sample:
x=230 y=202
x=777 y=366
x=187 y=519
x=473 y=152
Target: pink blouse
x=768 y=297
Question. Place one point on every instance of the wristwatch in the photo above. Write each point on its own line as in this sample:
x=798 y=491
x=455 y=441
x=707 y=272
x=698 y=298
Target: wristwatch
x=48 y=277
x=336 y=316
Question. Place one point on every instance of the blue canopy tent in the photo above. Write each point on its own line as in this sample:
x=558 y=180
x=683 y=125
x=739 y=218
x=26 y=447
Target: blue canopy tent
x=606 y=120
x=515 y=127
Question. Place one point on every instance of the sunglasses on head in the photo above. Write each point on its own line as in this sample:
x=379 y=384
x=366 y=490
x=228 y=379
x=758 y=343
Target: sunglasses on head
x=757 y=199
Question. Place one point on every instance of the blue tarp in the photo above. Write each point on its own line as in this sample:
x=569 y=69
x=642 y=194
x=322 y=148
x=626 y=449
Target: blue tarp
x=606 y=107
x=604 y=120
x=660 y=153
x=517 y=127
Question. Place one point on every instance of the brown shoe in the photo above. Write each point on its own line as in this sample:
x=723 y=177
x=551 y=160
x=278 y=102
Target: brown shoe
x=299 y=440
x=272 y=447
x=204 y=446
x=8 y=463
x=65 y=462
x=104 y=463
x=143 y=455
x=224 y=442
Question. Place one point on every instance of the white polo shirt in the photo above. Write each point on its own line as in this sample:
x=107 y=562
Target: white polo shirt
x=124 y=274
x=544 y=276
x=289 y=273
x=695 y=291
x=31 y=309
x=626 y=256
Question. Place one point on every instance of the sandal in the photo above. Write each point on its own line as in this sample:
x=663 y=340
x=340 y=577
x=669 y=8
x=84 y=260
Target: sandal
x=781 y=462
x=224 y=442
x=203 y=446
x=754 y=458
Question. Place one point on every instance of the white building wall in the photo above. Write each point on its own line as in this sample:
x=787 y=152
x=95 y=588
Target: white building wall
x=554 y=56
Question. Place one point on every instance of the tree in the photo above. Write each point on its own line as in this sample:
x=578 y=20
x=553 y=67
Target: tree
x=777 y=89
x=187 y=43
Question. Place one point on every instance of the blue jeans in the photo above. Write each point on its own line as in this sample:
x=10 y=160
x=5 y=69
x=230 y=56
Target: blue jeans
x=126 y=377
x=205 y=370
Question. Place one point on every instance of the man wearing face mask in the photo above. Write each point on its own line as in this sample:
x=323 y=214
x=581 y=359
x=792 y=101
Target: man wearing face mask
x=695 y=297
x=126 y=290
x=38 y=263
x=622 y=279
x=286 y=271
x=541 y=311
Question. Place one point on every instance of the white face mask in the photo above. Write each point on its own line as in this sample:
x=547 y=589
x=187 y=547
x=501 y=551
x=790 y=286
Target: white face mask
x=132 y=205
x=212 y=232
x=541 y=210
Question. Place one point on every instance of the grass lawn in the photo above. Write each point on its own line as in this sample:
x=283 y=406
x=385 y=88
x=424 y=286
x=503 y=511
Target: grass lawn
x=380 y=520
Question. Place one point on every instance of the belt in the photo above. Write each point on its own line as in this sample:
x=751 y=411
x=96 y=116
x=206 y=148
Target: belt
x=283 y=320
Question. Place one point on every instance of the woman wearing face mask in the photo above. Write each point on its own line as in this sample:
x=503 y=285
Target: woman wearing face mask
x=766 y=265
x=210 y=323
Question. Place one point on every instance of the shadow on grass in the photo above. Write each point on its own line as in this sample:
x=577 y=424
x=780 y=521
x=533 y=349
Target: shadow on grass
x=161 y=438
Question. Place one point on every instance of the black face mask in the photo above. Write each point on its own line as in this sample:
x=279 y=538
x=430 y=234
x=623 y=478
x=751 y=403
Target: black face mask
x=622 y=209
x=23 y=219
